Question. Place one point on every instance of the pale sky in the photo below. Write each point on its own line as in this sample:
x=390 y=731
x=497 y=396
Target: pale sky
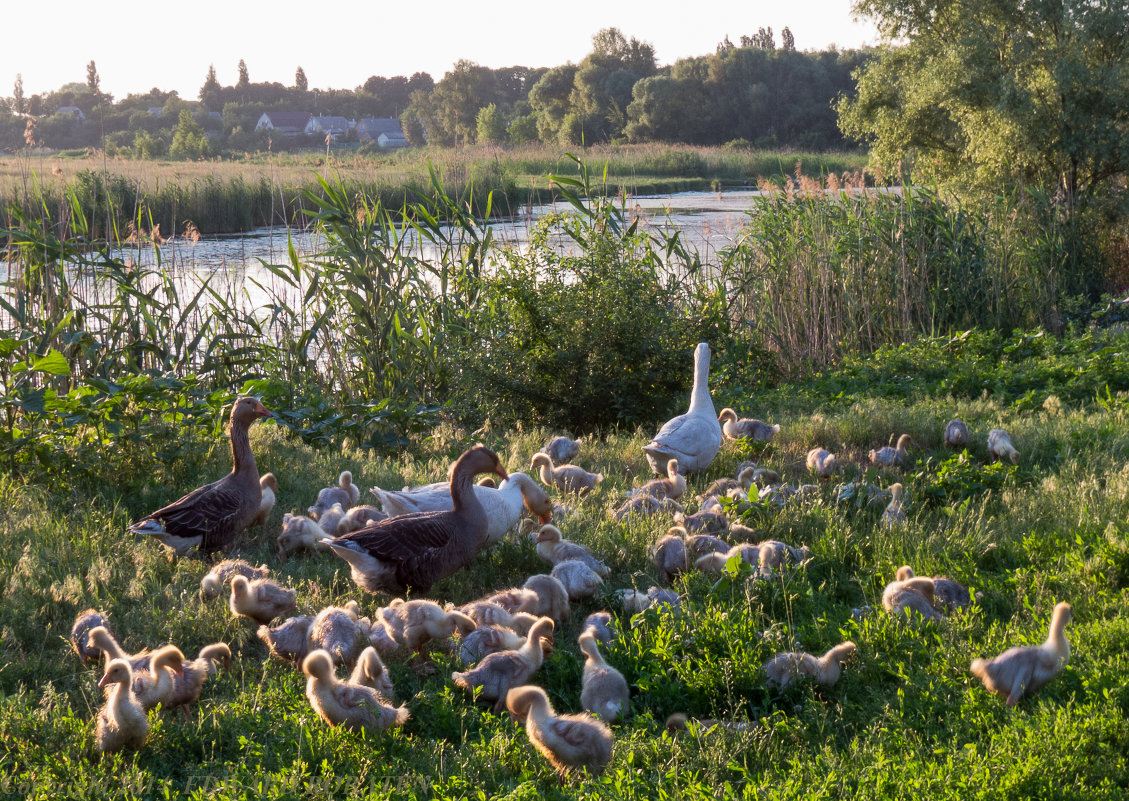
x=138 y=46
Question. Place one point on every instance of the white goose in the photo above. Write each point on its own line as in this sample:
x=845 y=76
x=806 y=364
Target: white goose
x=693 y=438
x=503 y=504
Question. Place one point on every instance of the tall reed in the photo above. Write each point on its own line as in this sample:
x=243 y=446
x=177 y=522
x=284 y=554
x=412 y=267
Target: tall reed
x=820 y=274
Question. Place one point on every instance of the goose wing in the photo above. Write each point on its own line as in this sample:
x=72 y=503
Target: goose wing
x=398 y=539
x=212 y=512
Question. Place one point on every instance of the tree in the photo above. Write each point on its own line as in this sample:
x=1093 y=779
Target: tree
x=19 y=103
x=491 y=125
x=523 y=129
x=147 y=146
x=762 y=39
x=549 y=99
x=603 y=82
x=1033 y=94
x=210 y=93
x=787 y=40
x=93 y=82
x=189 y=140
x=300 y=82
x=456 y=100
x=244 y=76
x=417 y=119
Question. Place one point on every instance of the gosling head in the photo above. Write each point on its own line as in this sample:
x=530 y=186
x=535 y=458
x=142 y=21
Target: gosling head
x=217 y=652
x=371 y=662
x=268 y=480
x=1062 y=615
x=240 y=588
x=537 y=502
x=99 y=637
x=587 y=643
x=843 y=651
x=905 y=572
x=318 y=665
x=549 y=533
x=520 y=700
x=171 y=657
x=541 y=630
x=727 y=416
x=117 y=672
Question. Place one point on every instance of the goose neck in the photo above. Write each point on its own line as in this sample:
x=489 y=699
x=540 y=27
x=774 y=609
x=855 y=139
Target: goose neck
x=700 y=399
x=242 y=459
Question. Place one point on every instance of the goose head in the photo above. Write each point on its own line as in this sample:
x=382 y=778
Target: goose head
x=247 y=409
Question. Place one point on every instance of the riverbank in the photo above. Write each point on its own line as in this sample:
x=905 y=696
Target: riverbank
x=117 y=196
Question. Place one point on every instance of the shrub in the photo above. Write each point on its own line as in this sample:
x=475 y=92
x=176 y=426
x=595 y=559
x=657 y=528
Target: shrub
x=599 y=338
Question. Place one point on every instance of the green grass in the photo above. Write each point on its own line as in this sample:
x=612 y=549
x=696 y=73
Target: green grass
x=907 y=720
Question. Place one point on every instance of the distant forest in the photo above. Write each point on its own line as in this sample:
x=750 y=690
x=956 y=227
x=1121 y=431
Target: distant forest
x=753 y=92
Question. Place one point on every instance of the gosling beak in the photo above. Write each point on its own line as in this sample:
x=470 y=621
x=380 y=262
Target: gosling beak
x=102 y=682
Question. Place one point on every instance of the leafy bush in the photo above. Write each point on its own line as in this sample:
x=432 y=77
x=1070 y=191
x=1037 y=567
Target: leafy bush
x=599 y=338
x=958 y=478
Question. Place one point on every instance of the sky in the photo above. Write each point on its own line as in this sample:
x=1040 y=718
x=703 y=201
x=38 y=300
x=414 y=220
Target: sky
x=137 y=47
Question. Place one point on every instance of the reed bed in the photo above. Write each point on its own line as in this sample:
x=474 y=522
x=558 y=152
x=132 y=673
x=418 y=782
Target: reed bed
x=218 y=197
x=826 y=270
x=408 y=310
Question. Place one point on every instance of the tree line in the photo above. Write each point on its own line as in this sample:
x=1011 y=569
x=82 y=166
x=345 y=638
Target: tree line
x=752 y=92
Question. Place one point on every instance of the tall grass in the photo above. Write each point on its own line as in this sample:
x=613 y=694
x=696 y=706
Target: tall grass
x=412 y=307
x=819 y=274
x=272 y=190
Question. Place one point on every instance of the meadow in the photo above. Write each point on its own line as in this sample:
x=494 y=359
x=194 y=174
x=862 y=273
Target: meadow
x=907 y=718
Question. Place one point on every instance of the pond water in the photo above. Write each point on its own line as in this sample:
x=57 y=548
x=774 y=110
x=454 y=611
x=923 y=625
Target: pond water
x=708 y=221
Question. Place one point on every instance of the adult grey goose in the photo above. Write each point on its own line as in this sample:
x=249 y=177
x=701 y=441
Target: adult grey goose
x=211 y=517
x=416 y=550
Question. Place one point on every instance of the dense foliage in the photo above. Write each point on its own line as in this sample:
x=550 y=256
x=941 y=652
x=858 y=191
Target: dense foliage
x=1036 y=94
x=589 y=325
x=1028 y=101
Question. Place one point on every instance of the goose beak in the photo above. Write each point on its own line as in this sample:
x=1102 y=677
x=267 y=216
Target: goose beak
x=545 y=518
x=501 y=473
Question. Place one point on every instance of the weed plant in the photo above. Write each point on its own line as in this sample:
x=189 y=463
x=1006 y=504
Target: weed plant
x=906 y=720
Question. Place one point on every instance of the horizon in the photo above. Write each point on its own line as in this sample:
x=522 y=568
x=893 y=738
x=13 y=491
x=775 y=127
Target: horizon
x=280 y=44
